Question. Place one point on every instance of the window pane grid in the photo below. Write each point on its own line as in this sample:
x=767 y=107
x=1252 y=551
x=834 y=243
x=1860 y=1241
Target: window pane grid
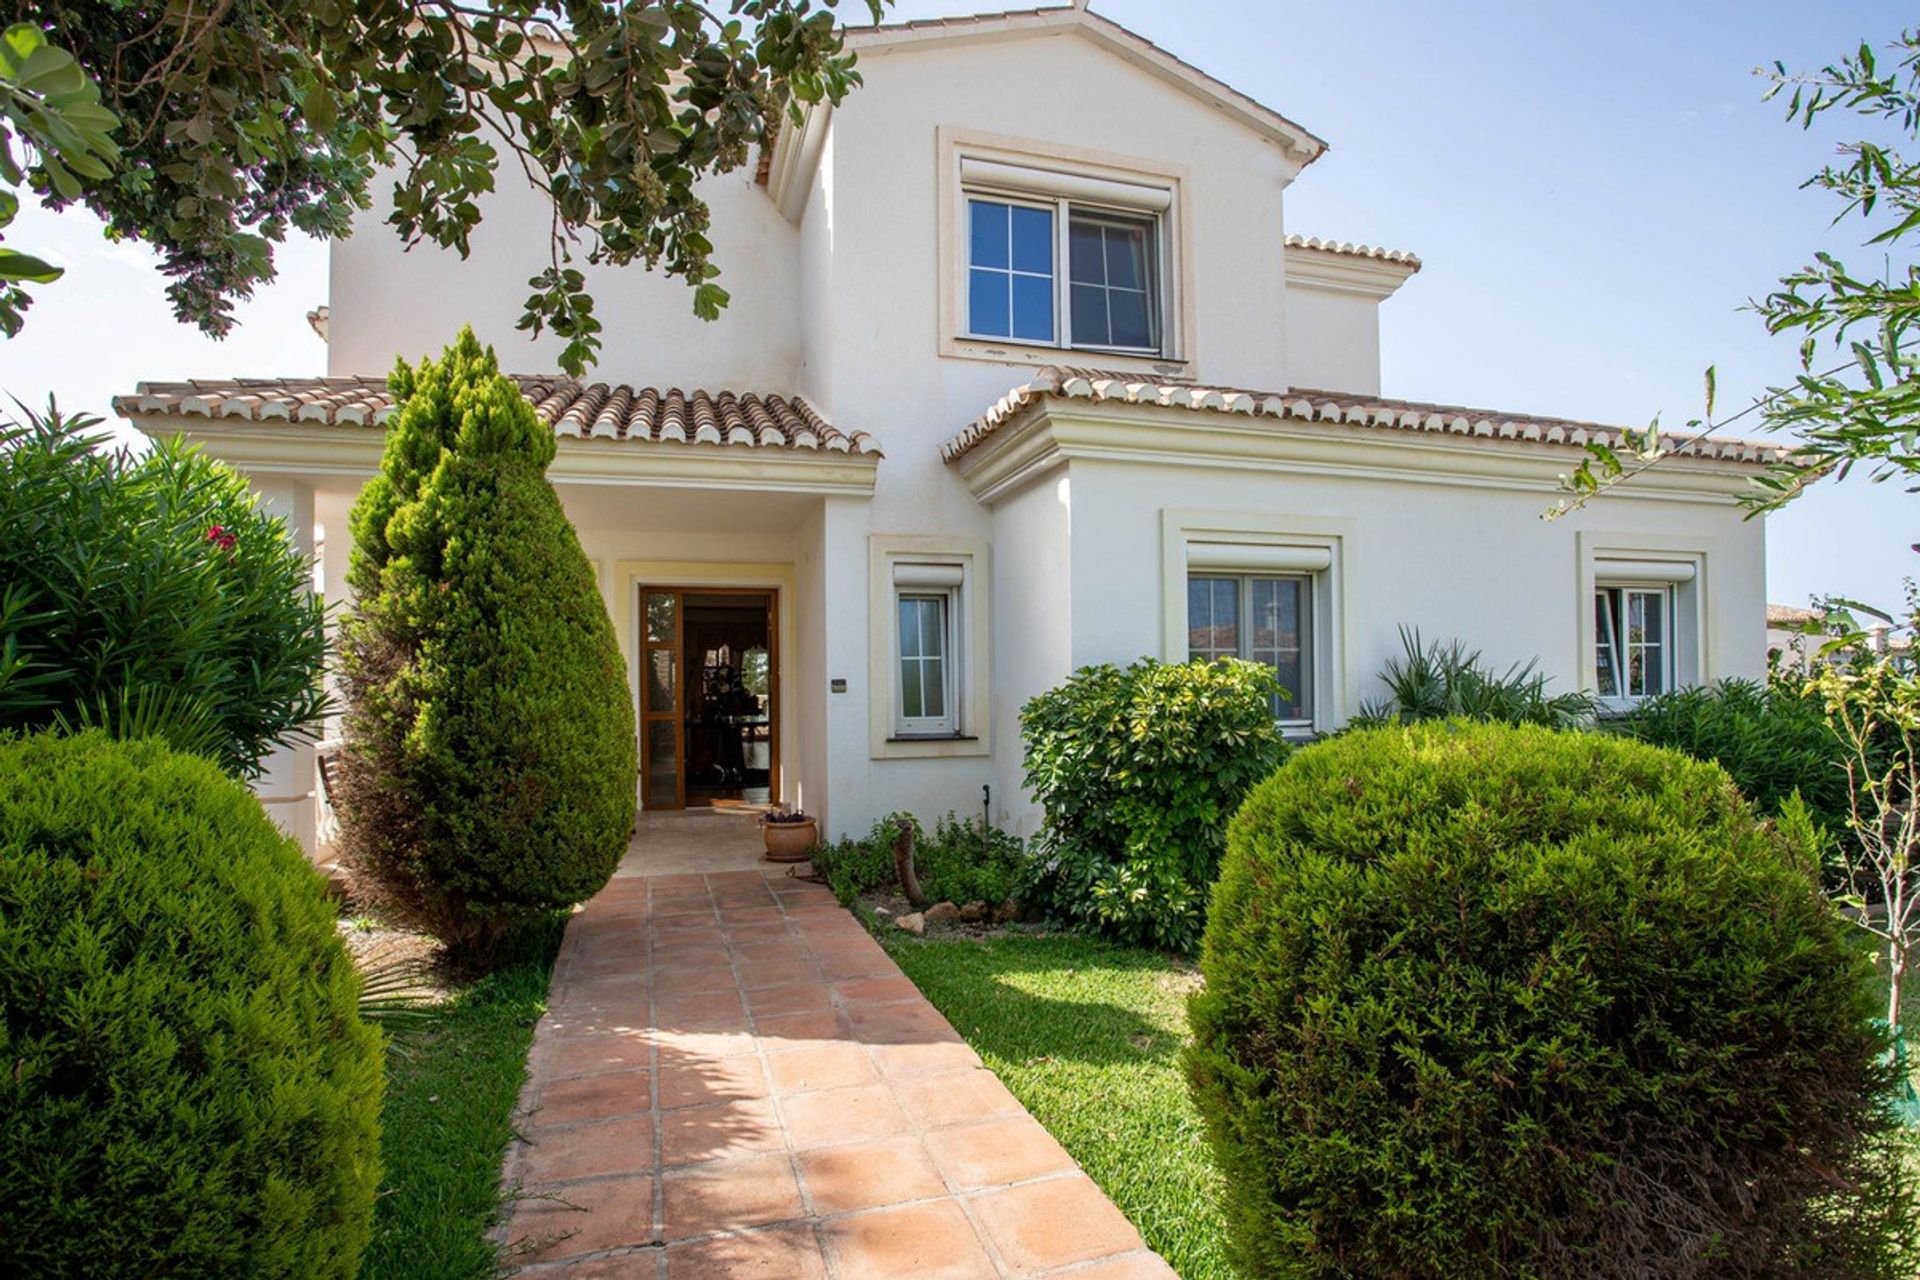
x=923 y=658
x=1109 y=270
x=1633 y=648
x=1010 y=271
x=1274 y=633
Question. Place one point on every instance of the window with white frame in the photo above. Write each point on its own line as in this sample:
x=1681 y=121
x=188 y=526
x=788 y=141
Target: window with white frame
x=1065 y=260
x=1263 y=618
x=1635 y=649
x=927 y=607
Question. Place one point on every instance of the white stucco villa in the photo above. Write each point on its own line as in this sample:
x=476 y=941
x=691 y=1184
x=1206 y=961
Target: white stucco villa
x=1023 y=370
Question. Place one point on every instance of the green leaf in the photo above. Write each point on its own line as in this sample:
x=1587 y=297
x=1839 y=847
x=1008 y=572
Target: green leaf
x=15 y=265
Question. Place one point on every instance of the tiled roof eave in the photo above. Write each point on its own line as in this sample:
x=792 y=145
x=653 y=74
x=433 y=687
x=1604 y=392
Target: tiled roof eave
x=630 y=416
x=1302 y=405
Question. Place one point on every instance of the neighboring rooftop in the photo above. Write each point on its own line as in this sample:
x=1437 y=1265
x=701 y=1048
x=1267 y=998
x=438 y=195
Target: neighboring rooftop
x=588 y=411
x=1787 y=615
x=1060 y=382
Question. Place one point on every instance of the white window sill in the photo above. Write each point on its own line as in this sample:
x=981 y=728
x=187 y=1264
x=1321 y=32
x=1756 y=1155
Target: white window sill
x=1008 y=351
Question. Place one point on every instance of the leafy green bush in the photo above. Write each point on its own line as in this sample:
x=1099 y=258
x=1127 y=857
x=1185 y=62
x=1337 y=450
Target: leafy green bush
x=188 y=1090
x=488 y=775
x=1772 y=739
x=1447 y=681
x=1136 y=773
x=149 y=596
x=1495 y=1001
x=960 y=861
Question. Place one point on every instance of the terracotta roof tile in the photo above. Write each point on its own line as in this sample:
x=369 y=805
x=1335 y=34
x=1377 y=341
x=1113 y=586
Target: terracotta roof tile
x=587 y=411
x=1060 y=382
x=1347 y=248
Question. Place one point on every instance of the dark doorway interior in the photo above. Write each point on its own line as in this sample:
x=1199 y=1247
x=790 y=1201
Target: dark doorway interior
x=727 y=641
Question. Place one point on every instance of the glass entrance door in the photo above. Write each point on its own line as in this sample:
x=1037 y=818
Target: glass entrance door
x=709 y=697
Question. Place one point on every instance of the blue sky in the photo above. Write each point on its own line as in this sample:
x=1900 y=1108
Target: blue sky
x=1596 y=191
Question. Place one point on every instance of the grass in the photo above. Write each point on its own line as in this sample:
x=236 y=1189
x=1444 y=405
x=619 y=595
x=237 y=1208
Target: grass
x=452 y=1084
x=1088 y=1036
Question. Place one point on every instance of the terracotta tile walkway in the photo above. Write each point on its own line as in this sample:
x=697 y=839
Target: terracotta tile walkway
x=734 y=1080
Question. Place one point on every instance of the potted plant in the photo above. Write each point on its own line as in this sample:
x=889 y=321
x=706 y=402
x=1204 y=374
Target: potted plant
x=789 y=833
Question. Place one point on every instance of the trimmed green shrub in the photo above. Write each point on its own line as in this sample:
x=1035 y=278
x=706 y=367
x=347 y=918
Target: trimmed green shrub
x=1444 y=681
x=149 y=596
x=188 y=1089
x=1486 y=1001
x=1772 y=739
x=490 y=760
x=960 y=861
x=1136 y=773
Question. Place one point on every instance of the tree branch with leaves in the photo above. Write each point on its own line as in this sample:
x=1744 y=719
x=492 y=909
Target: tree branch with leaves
x=243 y=120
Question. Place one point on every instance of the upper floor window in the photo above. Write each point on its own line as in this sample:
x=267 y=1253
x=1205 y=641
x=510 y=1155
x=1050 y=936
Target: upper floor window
x=1110 y=297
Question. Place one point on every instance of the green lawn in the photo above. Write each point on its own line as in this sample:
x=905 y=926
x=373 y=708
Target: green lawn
x=451 y=1089
x=1088 y=1037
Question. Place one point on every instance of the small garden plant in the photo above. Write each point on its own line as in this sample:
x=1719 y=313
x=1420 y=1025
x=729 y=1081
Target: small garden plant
x=189 y=1089
x=1438 y=681
x=1484 y=1000
x=1136 y=772
x=959 y=861
x=489 y=772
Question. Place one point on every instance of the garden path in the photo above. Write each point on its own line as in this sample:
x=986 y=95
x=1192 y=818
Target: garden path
x=734 y=1080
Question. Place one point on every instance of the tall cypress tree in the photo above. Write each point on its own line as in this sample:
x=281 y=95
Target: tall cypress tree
x=489 y=771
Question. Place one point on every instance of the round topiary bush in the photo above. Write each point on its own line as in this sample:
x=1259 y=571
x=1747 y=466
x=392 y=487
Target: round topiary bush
x=186 y=1088
x=1511 y=1002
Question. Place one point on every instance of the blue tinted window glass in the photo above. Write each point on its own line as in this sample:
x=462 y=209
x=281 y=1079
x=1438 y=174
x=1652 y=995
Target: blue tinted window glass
x=1090 y=316
x=1127 y=257
x=1033 y=240
x=1033 y=308
x=989 y=233
x=1083 y=246
x=1129 y=317
x=987 y=311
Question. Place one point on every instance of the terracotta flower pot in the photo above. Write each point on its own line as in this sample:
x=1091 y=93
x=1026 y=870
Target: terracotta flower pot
x=790 y=841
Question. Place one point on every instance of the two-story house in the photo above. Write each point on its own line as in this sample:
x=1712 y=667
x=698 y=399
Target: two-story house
x=1023 y=371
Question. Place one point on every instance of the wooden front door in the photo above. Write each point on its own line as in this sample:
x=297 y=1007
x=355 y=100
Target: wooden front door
x=668 y=673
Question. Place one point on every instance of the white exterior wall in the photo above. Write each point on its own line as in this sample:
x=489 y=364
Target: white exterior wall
x=1333 y=340
x=387 y=303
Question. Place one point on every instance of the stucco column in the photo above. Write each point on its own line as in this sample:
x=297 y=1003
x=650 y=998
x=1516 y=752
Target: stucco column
x=286 y=785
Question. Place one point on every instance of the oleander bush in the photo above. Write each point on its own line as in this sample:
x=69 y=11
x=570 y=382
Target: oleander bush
x=1136 y=772
x=187 y=1089
x=489 y=767
x=149 y=596
x=960 y=861
x=1487 y=1001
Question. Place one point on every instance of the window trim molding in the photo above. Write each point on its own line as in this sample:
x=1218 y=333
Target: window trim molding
x=1177 y=320
x=1638 y=557
x=1303 y=539
x=970 y=631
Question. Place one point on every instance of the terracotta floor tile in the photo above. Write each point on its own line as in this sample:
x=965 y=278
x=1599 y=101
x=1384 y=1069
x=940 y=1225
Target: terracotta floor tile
x=774 y=1253
x=731 y=1195
x=691 y=1135
x=901 y=1024
x=678 y=881
x=581 y=1055
x=595 y=1097
x=773 y=1002
x=833 y=1116
x=1053 y=1223
x=897 y=1061
x=698 y=1008
x=926 y=1242
x=1144 y=1265
x=794 y=1030
x=869 y=1175
x=719 y=1043
x=691 y=979
x=590 y=1151
x=572 y=1018
x=690 y=1080
x=711 y=957
x=755 y=877
x=933 y=1102
x=611 y=1214
x=827 y=1066
x=854 y=963
x=878 y=990
x=1012 y=1149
